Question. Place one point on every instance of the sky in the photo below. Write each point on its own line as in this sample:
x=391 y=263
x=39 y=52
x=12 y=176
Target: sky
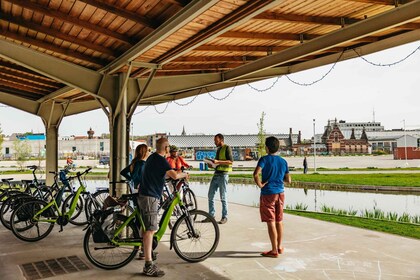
x=354 y=91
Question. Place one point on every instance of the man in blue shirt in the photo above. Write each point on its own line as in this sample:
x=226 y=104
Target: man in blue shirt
x=275 y=172
x=155 y=170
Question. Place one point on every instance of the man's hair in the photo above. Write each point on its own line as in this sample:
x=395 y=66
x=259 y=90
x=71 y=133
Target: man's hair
x=220 y=136
x=161 y=143
x=272 y=144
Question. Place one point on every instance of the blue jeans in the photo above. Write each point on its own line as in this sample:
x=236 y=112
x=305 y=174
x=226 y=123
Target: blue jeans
x=219 y=181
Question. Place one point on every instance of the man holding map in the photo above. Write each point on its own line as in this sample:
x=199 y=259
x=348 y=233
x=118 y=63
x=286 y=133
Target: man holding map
x=222 y=164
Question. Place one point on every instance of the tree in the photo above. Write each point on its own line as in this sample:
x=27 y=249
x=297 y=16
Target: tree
x=261 y=136
x=22 y=152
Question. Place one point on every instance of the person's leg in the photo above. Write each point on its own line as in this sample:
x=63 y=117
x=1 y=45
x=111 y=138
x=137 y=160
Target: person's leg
x=147 y=245
x=279 y=222
x=267 y=213
x=212 y=191
x=223 y=196
x=279 y=230
x=272 y=233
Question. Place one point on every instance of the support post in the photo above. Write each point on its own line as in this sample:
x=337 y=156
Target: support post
x=51 y=163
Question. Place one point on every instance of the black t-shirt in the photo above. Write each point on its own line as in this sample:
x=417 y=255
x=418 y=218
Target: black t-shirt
x=153 y=178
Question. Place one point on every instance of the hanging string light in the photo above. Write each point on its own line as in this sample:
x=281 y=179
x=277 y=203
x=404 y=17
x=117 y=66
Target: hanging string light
x=320 y=79
x=164 y=110
x=387 y=64
x=223 y=98
x=191 y=101
x=142 y=110
x=268 y=88
x=276 y=81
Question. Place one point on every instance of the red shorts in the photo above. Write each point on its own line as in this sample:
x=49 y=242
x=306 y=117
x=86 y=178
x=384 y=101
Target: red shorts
x=271 y=207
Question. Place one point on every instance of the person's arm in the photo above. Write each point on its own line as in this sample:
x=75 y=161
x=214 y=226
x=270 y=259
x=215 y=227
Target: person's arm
x=229 y=157
x=177 y=175
x=287 y=179
x=126 y=172
x=183 y=163
x=257 y=178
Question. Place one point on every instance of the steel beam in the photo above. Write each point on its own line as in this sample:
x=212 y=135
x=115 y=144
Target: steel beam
x=20 y=103
x=397 y=16
x=188 y=13
x=60 y=70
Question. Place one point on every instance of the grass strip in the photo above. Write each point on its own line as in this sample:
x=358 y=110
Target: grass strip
x=402 y=229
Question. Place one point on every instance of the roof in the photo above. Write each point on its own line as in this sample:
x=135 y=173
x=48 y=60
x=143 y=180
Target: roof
x=72 y=53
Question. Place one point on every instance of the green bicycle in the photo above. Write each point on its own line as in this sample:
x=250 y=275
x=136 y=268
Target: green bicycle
x=34 y=220
x=112 y=239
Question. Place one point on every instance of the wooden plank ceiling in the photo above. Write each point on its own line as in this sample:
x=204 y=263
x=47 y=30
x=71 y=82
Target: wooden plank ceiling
x=95 y=33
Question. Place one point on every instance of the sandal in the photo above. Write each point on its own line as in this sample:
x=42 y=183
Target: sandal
x=270 y=254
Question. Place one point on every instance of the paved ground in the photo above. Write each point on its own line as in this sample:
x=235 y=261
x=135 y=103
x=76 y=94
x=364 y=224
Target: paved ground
x=314 y=250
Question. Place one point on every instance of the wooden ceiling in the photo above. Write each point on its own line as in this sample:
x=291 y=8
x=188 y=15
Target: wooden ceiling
x=106 y=35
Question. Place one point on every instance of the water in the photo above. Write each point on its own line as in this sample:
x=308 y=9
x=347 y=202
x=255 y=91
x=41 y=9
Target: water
x=314 y=199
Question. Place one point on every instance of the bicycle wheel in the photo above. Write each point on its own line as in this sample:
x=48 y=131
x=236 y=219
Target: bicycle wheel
x=97 y=202
x=108 y=255
x=189 y=199
x=78 y=217
x=198 y=245
x=25 y=227
x=9 y=205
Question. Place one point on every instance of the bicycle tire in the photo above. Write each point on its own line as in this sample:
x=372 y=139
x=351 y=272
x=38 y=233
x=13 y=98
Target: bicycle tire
x=201 y=246
x=9 y=205
x=189 y=199
x=78 y=218
x=23 y=224
x=99 y=197
x=108 y=256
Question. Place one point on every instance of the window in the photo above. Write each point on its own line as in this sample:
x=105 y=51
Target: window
x=7 y=150
x=418 y=143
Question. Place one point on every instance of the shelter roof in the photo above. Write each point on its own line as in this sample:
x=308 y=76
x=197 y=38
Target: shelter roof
x=194 y=46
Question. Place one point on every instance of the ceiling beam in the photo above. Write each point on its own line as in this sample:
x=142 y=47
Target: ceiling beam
x=270 y=16
x=51 y=47
x=18 y=100
x=60 y=70
x=24 y=82
x=228 y=22
x=9 y=83
x=16 y=67
x=283 y=36
x=340 y=21
x=394 y=17
x=224 y=65
x=224 y=58
x=191 y=11
x=46 y=11
x=57 y=93
x=29 y=78
x=384 y=44
x=382 y=2
x=230 y=48
x=56 y=34
x=121 y=12
x=181 y=3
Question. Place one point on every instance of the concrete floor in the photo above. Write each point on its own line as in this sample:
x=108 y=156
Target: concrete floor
x=313 y=250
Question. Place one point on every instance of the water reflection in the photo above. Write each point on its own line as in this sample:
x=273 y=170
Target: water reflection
x=314 y=199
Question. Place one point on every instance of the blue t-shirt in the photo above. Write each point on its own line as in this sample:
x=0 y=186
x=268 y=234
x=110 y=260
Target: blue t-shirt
x=153 y=177
x=274 y=168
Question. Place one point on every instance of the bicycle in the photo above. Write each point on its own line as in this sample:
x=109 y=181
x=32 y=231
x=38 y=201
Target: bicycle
x=112 y=240
x=39 y=217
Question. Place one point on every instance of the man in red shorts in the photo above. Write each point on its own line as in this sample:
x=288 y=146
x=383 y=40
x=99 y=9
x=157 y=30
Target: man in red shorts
x=275 y=172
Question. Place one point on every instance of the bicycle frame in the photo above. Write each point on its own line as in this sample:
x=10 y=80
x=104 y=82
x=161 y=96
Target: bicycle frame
x=136 y=214
x=68 y=214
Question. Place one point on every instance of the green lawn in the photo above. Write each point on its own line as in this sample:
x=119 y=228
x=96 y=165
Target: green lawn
x=403 y=229
x=375 y=179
